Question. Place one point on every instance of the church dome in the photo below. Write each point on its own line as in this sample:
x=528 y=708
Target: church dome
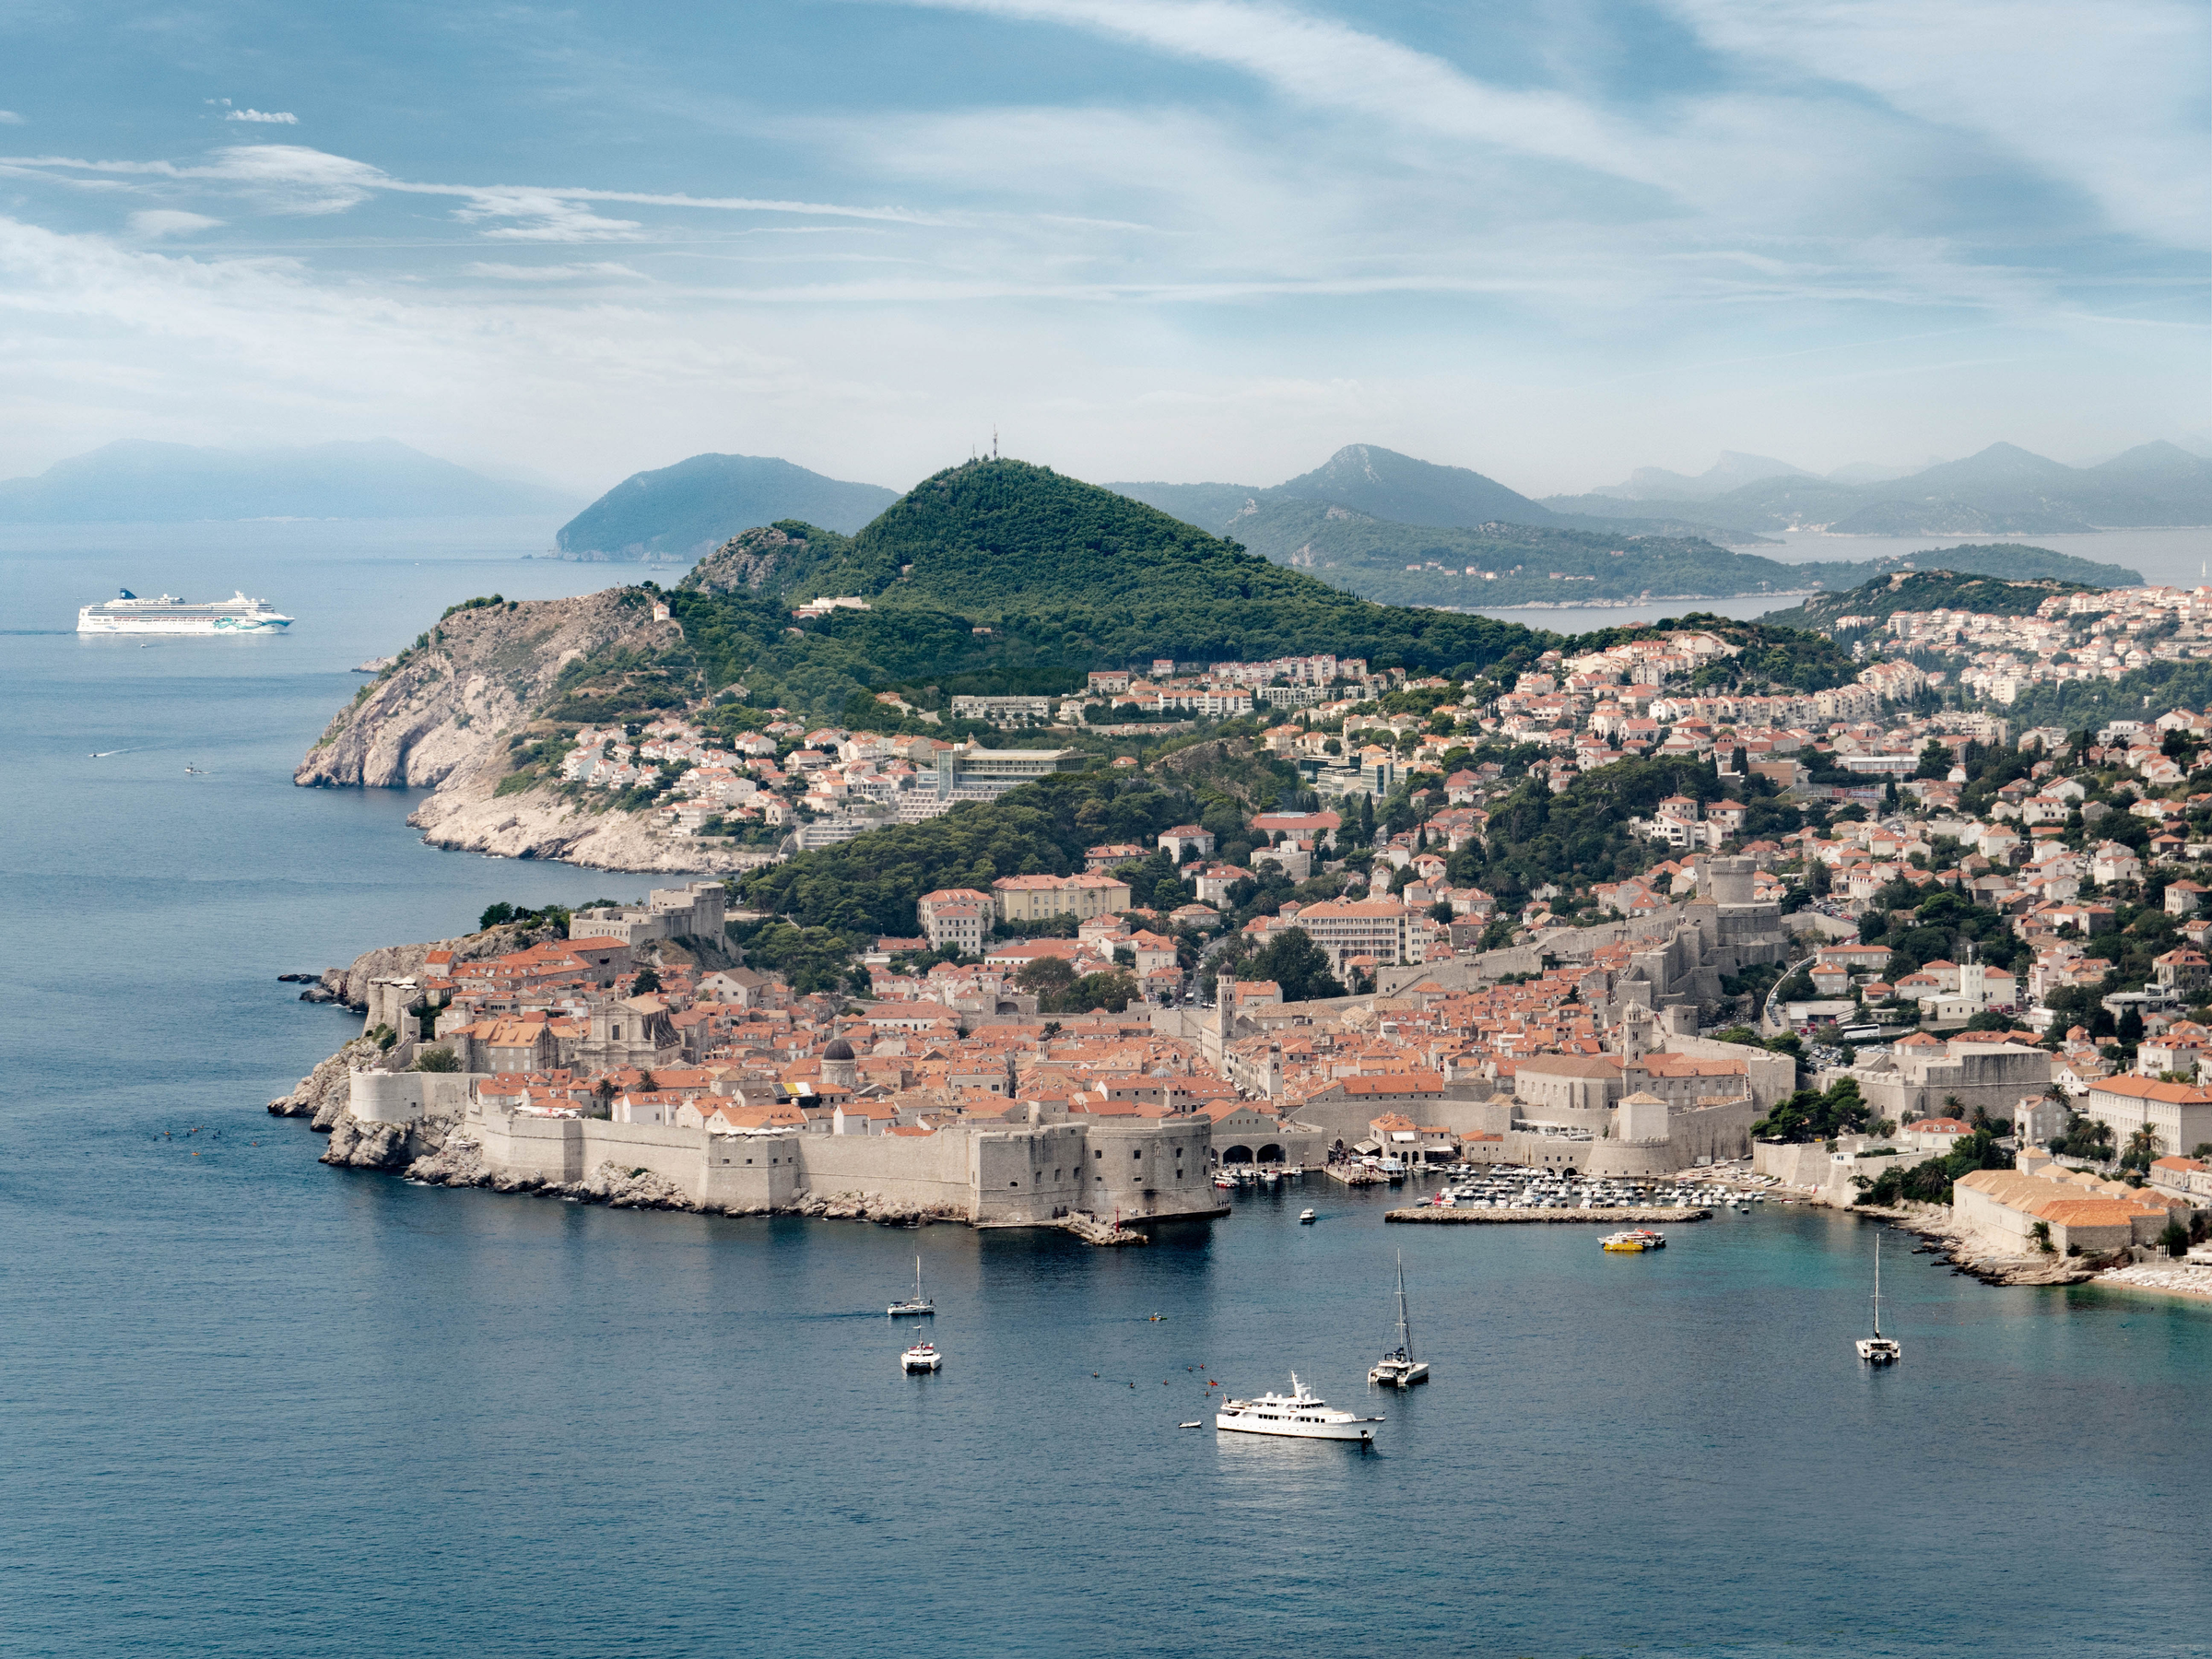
x=839 y=1049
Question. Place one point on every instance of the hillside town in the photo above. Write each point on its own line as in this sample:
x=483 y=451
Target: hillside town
x=1890 y=952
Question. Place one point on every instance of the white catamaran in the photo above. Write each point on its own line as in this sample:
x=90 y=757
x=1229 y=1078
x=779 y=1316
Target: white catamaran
x=1399 y=1369
x=1879 y=1349
x=129 y=614
x=1299 y=1415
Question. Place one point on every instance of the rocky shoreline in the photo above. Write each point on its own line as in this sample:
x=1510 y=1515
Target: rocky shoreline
x=467 y=816
x=1972 y=1256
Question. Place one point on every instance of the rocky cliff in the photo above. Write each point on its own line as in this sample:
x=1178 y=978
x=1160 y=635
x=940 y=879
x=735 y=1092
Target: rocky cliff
x=468 y=815
x=748 y=561
x=446 y=710
x=446 y=715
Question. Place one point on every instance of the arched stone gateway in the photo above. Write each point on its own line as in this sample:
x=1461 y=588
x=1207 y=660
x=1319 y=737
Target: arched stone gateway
x=1271 y=1153
x=1236 y=1155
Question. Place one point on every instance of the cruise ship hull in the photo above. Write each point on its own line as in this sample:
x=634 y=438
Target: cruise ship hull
x=182 y=625
x=129 y=614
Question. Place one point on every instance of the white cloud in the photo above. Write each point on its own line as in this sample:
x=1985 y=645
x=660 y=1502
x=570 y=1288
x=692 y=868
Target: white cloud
x=553 y=273
x=292 y=178
x=2107 y=100
x=269 y=117
x=9 y=118
x=1331 y=66
x=541 y=215
x=170 y=221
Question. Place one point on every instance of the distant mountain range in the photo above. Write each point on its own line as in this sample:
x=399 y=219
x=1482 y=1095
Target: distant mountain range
x=2005 y=490
x=1479 y=544
x=142 y=482
x=1367 y=479
x=688 y=510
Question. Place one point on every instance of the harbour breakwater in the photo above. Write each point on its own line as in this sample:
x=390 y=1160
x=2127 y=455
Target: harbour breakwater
x=1456 y=1216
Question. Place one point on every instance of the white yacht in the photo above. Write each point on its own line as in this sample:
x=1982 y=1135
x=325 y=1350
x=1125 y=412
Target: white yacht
x=1879 y=1349
x=1299 y=1415
x=1399 y=1369
x=922 y=1357
x=917 y=1302
x=129 y=614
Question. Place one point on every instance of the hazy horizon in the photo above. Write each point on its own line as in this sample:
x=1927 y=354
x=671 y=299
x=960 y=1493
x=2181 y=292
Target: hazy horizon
x=1146 y=240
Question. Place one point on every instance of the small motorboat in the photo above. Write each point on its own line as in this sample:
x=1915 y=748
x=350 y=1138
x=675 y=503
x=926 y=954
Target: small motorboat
x=922 y=1357
x=1305 y=1218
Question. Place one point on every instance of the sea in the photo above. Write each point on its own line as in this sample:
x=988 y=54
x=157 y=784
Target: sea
x=249 y=1406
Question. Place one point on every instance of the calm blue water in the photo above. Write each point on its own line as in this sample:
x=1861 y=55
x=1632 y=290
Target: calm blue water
x=255 y=1406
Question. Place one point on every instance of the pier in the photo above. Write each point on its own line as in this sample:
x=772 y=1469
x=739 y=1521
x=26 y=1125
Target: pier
x=1467 y=1215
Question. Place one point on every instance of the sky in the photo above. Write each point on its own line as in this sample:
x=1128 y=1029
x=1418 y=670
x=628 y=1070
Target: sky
x=1138 y=238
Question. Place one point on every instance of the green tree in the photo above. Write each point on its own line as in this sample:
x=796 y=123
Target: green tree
x=2142 y=1150
x=646 y=983
x=1045 y=976
x=436 y=1060
x=1111 y=992
x=1297 y=965
x=1815 y=1115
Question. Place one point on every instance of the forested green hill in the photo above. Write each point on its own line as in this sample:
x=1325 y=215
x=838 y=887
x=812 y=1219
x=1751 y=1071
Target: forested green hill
x=1112 y=580
x=1927 y=590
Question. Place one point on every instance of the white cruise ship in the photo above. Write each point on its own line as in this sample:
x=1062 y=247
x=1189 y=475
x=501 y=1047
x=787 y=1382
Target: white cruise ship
x=129 y=614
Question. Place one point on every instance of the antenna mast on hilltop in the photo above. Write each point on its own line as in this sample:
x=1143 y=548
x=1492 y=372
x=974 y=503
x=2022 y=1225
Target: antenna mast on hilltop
x=994 y=443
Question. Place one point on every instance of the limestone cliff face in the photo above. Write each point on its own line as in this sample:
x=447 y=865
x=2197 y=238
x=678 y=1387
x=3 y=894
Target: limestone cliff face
x=443 y=717
x=327 y=1088
x=542 y=823
x=446 y=711
x=746 y=562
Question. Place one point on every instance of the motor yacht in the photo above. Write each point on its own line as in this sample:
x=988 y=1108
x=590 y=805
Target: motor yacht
x=1299 y=1415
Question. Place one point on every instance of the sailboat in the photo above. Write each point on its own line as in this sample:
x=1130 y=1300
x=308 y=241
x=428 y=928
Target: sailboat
x=916 y=1303
x=1399 y=1369
x=1879 y=1349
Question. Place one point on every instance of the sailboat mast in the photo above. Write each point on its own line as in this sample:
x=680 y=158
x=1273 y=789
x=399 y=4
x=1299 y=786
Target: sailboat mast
x=1878 y=1284
x=1405 y=1329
